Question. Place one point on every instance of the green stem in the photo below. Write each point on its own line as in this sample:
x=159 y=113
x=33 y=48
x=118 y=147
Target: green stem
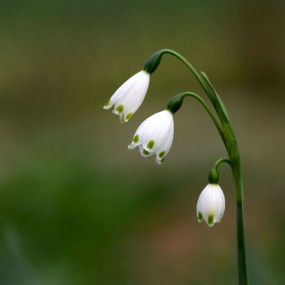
x=241 y=246
x=177 y=100
x=192 y=69
x=221 y=160
x=241 y=249
x=234 y=156
x=242 y=269
x=227 y=134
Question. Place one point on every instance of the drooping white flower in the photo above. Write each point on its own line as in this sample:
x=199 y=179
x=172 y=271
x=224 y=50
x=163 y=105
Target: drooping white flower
x=128 y=98
x=211 y=204
x=155 y=135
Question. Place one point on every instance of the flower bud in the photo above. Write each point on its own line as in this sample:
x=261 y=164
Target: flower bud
x=153 y=62
x=175 y=103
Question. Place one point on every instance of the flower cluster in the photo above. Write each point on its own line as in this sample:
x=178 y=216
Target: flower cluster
x=154 y=136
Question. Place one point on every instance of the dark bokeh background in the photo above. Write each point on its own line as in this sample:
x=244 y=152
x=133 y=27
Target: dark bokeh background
x=76 y=206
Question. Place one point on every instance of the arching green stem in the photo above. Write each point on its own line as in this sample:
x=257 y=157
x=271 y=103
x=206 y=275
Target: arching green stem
x=227 y=134
x=222 y=160
x=214 y=174
x=176 y=102
x=192 y=69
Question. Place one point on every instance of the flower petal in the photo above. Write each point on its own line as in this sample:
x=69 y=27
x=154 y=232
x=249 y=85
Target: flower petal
x=129 y=96
x=155 y=135
x=211 y=204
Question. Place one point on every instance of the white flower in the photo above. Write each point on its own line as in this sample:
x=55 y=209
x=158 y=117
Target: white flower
x=155 y=135
x=211 y=204
x=128 y=98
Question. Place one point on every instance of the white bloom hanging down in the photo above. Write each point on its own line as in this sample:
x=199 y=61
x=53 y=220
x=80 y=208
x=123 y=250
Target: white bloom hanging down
x=155 y=135
x=211 y=204
x=128 y=98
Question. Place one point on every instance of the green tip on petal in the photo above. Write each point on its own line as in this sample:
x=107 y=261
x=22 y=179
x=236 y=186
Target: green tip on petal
x=200 y=217
x=161 y=154
x=161 y=161
x=120 y=108
x=211 y=220
x=150 y=144
x=136 y=138
x=145 y=152
x=129 y=115
x=107 y=104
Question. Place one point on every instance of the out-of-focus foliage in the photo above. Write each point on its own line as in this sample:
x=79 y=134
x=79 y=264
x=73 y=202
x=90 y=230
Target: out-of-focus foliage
x=76 y=206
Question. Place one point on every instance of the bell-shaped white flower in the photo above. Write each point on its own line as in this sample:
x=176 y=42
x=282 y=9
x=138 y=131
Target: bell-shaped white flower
x=155 y=135
x=128 y=98
x=211 y=204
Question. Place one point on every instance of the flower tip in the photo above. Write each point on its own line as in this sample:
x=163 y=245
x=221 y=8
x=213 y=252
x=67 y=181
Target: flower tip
x=200 y=217
x=159 y=161
x=210 y=221
x=127 y=118
x=107 y=105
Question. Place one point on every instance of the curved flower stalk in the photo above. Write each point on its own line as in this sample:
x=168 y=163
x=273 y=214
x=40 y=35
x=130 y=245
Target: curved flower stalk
x=128 y=98
x=155 y=136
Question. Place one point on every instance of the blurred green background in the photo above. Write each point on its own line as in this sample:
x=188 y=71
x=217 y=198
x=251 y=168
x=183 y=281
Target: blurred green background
x=76 y=206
